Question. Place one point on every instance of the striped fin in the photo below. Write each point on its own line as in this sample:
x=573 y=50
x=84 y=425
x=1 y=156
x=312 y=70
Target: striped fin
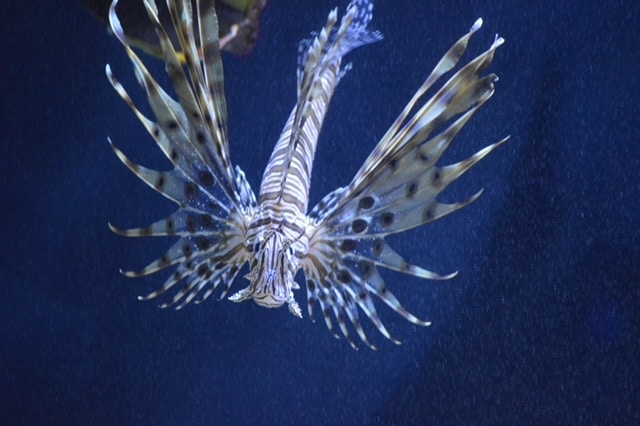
x=177 y=187
x=395 y=190
x=215 y=201
x=345 y=286
x=182 y=222
x=206 y=279
x=184 y=131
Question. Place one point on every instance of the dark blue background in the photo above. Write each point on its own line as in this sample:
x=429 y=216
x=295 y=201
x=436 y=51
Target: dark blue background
x=541 y=326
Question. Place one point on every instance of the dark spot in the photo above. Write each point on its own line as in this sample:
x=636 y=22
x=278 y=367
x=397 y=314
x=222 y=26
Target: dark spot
x=191 y=191
x=219 y=124
x=187 y=250
x=206 y=178
x=156 y=132
x=366 y=202
x=171 y=226
x=362 y=294
x=206 y=221
x=191 y=224
x=436 y=177
x=386 y=219
x=457 y=52
x=203 y=269
x=367 y=269
x=145 y=232
x=219 y=266
x=174 y=155
x=378 y=246
x=359 y=225
x=424 y=157
x=439 y=121
x=163 y=261
x=412 y=189
x=160 y=182
x=344 y=276
x=311 y=286
x=196 y=115
x=189 y=265
x=348 y=245
x=393 y=164
x=200 y=138
x=322 y=205
x=383 y=290
x=203 y=243
x=172 y=125
x=428 y=214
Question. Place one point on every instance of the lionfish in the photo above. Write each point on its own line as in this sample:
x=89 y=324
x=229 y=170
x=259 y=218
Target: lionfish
x=339 y=243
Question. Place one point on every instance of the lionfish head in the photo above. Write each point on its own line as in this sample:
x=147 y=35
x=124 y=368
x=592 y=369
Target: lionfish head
x=272 y=274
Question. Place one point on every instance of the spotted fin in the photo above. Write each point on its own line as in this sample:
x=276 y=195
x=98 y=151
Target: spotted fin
x=395 y=190
x=214 y=199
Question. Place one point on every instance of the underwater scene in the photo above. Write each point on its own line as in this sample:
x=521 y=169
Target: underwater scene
x=437 y=203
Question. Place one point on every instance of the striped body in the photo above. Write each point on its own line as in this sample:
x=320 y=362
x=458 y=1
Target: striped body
x=339 y=244
x=280 y=225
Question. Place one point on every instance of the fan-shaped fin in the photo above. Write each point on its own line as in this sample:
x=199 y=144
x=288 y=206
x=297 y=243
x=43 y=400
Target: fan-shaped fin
x=396 y=189
x=175 y=186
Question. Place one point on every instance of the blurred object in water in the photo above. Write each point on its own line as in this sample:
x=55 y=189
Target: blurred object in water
x=238 y=21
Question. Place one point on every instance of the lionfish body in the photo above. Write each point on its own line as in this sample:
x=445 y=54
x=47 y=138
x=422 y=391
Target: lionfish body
x=339 y=244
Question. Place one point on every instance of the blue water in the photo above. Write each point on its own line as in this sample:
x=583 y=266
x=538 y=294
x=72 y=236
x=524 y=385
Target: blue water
x=541 y=326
